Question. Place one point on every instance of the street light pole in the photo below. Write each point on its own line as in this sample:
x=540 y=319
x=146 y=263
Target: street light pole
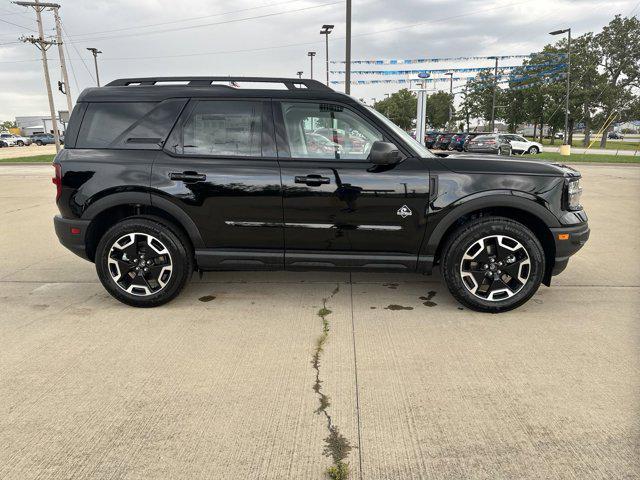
x=450 y=74
x=493 y=101
x=347 y=50
x=95 y=52
x=326 y=30
x=566 y=102
x=311 y=55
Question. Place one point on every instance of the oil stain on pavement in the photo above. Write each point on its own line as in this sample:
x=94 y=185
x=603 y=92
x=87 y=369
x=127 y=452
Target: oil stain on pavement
x=397 y=307
x=337 y=446
x=207 y=298
x=427 y=299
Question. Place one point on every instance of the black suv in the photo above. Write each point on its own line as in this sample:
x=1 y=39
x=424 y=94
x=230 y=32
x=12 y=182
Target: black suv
x=163 y=176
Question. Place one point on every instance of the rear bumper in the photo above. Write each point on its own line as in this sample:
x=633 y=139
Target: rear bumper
x=71 y=233
x=577 y=237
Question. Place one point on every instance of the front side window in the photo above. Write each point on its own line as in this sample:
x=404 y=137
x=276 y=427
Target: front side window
x=221 y=127
x=323 y=130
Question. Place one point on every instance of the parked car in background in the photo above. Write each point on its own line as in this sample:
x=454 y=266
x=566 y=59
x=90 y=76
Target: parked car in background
x=8 y=139
x=615 y=136
x=45 y=139
x=430 y=138
x=487 y=144
x=350 y=142
x=18 y=140
x=457 y=141
x=519 y=144
x=317 y=143
x=471 y=136
x=443 y=140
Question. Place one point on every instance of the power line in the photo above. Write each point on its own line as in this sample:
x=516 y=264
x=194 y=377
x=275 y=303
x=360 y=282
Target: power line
x=17 y=25
x=191 y=27
x=184 y=19
x=64 y=30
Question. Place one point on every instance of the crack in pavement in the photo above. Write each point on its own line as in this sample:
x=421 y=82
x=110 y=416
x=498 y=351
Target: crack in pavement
x=337 y=446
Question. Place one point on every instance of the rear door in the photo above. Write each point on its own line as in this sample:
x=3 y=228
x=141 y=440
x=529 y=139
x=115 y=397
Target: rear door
x=339 y=209
x=219 y=166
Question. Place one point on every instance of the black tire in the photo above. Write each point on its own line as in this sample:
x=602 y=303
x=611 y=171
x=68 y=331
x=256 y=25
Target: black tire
x=20 y=143
x=172 y=241
x=486 y=228
x=39 y=143
x=534 y=151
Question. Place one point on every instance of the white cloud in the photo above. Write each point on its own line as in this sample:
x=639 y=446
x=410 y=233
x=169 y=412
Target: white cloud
x=447 y=28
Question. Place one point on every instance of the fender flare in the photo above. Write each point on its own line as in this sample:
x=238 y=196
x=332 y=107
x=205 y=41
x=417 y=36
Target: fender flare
x=509 y=199
x=151 y=200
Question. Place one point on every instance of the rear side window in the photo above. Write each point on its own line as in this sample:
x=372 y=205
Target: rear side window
x=130 y=125
x=220 y=127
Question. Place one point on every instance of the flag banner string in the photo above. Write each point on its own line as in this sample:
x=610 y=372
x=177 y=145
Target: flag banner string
x=446 y=70
x=502 y=80
x=409 y=61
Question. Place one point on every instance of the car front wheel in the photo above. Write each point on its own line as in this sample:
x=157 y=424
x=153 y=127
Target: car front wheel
x=534 y=150
x=493 y=264
x=39 y=143
x=143 y=262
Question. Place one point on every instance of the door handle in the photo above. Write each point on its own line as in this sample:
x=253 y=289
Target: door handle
x=188 y=177
x=313 y=180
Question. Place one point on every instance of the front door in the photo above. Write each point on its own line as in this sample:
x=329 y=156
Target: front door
x=219 y=167
x=339 y=209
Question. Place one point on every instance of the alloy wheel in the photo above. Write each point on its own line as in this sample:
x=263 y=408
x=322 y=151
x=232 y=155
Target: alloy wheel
x=495 y=268
x=140 y=264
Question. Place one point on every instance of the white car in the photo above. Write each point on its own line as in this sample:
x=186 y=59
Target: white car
x=519 y=144
x=11 y=140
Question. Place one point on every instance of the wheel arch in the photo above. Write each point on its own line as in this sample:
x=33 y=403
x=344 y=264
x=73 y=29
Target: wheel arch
x=113 y=208
x=521 y=209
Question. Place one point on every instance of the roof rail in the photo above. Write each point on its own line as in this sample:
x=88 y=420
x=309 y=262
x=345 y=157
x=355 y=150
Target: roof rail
x=290 y=83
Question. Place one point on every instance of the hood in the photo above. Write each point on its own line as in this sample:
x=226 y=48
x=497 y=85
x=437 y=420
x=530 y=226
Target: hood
x=503 y=165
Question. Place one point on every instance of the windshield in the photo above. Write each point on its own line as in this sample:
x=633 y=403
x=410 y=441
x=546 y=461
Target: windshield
x=418 y=149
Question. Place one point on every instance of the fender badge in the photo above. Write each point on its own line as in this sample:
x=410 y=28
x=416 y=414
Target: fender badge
x=404 y=211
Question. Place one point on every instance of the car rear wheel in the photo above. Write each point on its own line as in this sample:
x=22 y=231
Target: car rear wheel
x=493 y=264
x=39 y=143
x=534 y=150
x=20 y=143
x=143 y=262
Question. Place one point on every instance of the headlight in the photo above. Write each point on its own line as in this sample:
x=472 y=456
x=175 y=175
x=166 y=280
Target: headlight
x=573 y=194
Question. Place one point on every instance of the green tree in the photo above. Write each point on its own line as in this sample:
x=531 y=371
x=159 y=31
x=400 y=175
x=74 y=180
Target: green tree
x=438 y=109
x=7 y=124
x=619 y=48
x=400 y=108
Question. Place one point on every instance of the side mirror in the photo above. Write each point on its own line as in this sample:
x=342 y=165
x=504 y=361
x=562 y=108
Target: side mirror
x=384 y=153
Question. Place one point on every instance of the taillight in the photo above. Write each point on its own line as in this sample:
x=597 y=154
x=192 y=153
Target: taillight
x=57 y=179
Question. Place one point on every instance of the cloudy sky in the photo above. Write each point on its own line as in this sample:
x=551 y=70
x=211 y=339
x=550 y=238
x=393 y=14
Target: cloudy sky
x=272 y=37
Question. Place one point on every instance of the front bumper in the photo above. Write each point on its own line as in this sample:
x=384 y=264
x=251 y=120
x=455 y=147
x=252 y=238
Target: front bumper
x=568 y=241
x=72 y=233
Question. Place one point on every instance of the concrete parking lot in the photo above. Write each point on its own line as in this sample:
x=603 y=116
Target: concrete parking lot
x=228 y=381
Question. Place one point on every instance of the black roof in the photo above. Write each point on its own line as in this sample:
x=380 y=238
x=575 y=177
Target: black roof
x=161 y=88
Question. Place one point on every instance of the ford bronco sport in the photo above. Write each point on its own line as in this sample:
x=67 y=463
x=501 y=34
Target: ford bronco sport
x=163 y=176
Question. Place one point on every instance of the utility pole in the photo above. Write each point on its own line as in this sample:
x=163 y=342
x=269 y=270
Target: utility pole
x=95 y=52
x=43 y=45
x=493 y=101
x=311 y=55
x=63 y=64
x=347 y=58
x=450 y=74
x=326 y=30
x=566 y=102
x=299 y=73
